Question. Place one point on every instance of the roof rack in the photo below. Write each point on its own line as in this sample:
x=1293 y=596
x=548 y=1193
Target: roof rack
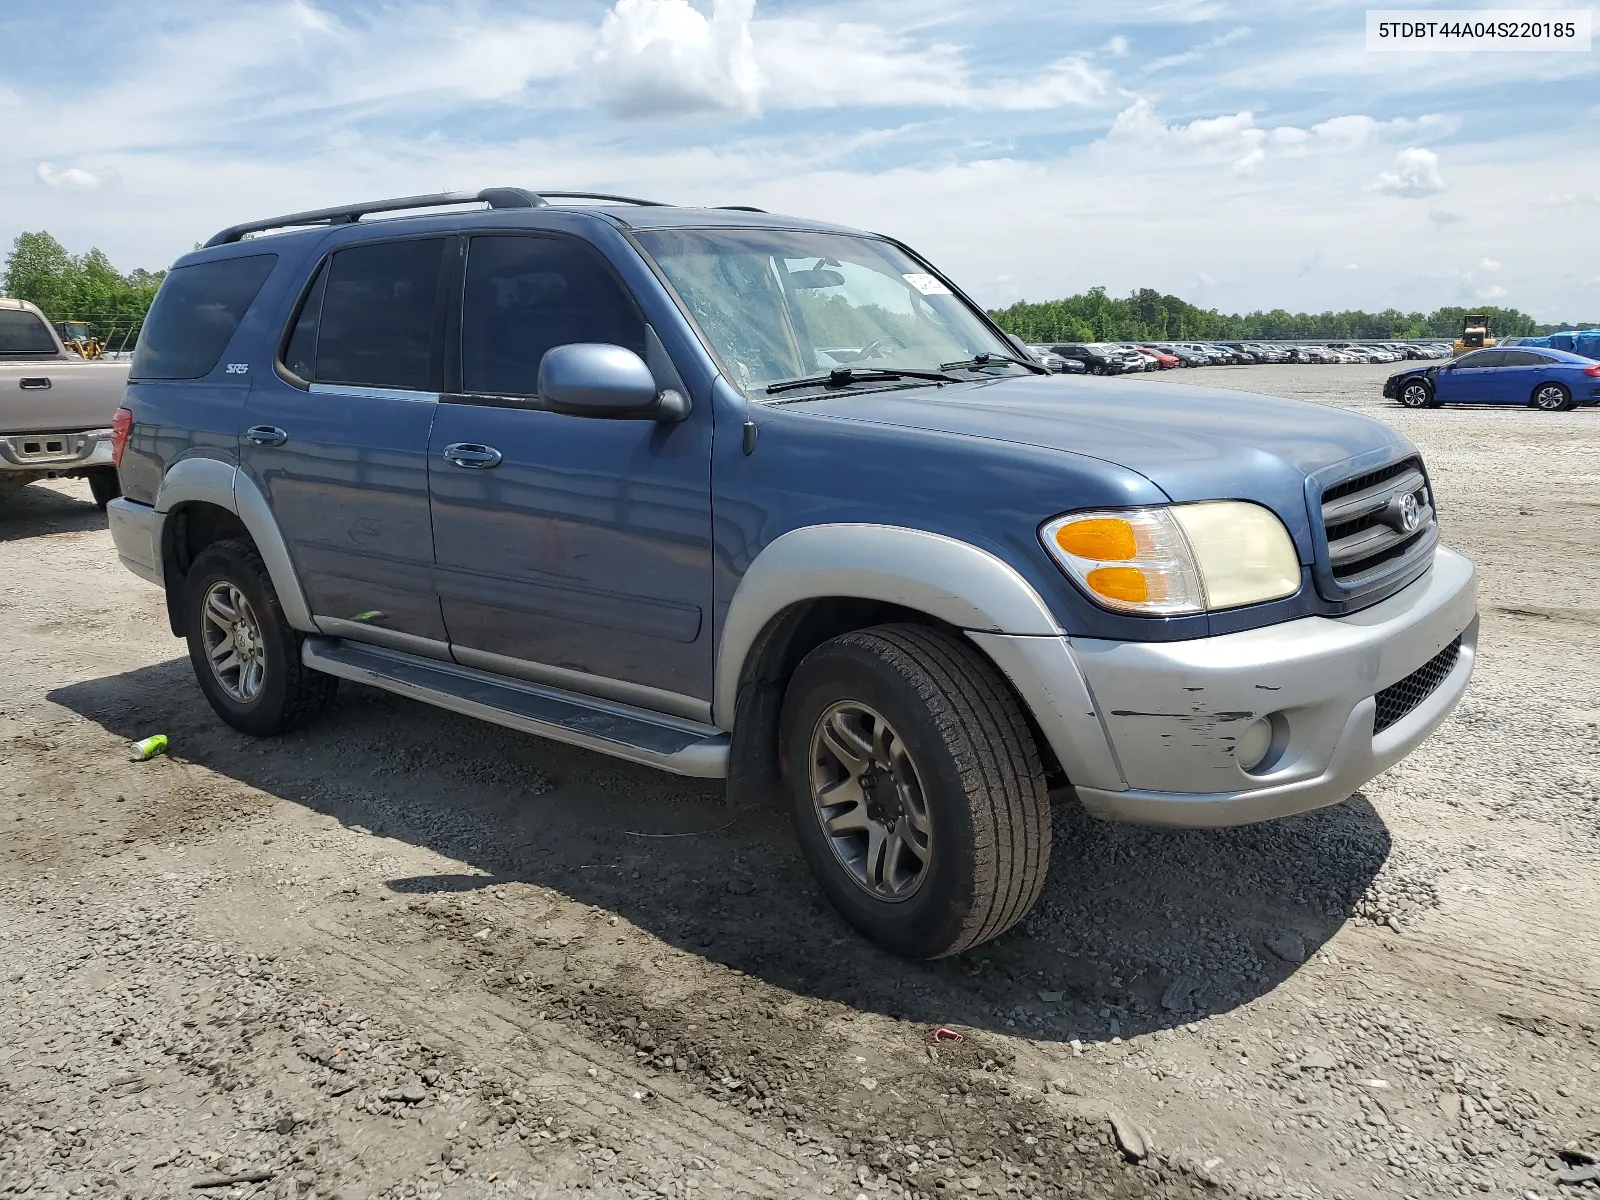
x=348 y=214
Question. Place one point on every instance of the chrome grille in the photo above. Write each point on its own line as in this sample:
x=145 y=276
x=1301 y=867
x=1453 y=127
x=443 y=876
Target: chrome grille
x=1376 y=523
x=1398 y=699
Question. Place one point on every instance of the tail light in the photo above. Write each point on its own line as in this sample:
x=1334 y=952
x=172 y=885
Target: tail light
x=121 y=427
x=1594 y=370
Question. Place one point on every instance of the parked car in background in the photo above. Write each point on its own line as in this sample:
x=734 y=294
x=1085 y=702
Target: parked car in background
x=1187 y=356
x=1146 y=359
x=628 y=511
x=1165 y=360
x=1053 y=362
x=56 y=408
x=1097 y=358
x=1547 y=379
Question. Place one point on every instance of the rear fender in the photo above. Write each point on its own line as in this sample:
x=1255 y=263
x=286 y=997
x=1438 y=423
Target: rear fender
x=211 y=481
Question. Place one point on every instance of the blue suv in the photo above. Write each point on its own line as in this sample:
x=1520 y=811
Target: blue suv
x=747 y=497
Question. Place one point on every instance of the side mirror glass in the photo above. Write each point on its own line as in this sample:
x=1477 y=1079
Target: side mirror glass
x=594 y=379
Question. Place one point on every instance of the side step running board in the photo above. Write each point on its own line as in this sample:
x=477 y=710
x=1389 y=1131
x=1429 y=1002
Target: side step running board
x=654 y=739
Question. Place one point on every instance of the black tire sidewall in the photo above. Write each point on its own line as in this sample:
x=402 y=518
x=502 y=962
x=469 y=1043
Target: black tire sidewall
x=1427 y=394
x=104 y=485
x=927 y=924
x=264 y=715
x=1566 y=398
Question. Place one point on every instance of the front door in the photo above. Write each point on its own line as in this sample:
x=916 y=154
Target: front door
x=1470 y=379
x=569 y=549
x=340 y=449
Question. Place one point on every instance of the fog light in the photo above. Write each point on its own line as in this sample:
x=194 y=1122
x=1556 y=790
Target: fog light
x=1254 y=744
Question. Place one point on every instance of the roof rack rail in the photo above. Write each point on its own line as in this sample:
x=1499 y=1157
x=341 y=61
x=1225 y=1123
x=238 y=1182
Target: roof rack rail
x=348 y=214
x=607 y=196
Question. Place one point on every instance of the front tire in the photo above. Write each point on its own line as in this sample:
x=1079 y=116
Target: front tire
x=917 y=793
x=1416 y=394
x=245 y=654
x=1551 y=397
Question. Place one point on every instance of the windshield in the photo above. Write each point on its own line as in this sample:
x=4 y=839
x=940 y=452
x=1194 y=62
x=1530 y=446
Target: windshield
x=778 y=305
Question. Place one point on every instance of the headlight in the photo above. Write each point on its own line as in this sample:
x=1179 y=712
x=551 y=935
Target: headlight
x=1186 y=558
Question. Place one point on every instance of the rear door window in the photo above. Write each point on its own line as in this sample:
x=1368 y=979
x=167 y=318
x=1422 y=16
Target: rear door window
x=195 y=315
x=372 y=318
x=23 y=333
x=1523 y=358
x=525 y=295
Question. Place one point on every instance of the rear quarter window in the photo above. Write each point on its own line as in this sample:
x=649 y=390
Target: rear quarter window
x=23 y=333
x=195 y=315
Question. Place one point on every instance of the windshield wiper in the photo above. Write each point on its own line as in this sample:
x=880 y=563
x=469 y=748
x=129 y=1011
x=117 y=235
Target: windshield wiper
x=845 y=376
x=986 y=360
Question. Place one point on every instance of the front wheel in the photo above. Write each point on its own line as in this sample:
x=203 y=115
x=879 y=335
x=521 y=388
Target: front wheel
x=1552 y=397
x=245 y=654
x=917 y=792
x=1416 y=394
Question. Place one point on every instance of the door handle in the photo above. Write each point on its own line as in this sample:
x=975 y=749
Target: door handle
x=266 y=435
x=34 y=383
x=473 y=456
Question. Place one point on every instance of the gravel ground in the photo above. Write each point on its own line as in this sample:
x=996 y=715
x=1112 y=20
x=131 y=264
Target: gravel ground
x=403 y=954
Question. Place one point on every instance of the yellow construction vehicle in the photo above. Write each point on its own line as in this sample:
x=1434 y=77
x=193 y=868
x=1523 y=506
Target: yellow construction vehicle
x=1474 y=333
x=77 y=337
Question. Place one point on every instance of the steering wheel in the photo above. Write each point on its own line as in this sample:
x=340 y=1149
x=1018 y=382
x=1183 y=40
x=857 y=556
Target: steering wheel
x=876 y=347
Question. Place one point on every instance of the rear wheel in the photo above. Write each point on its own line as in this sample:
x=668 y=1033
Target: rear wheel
x=1552 y=397
x=918 y=797
x=245 y=654
x=1416 y=394
x=104 y=485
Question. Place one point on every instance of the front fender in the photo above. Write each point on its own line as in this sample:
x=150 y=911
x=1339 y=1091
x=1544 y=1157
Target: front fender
x=948 y=579
x=200 y=480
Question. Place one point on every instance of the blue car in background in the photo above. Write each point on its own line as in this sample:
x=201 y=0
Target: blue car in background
x=1548 y=379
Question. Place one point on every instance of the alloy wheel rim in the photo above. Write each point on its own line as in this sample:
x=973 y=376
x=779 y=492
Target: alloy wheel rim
x=1548 y=398
x=232 y=639
x=1416 y=396
x=868 y=799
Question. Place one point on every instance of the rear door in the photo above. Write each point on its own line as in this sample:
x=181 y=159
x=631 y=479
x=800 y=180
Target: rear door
x=1470 y=379
x=337 y=438
x=570 y=549
x=1515 y=380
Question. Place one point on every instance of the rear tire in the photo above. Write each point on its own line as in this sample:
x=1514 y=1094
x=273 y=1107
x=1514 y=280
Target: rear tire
x=1551 y=397
x=918 y=797
x=245 y=655
x=104 y=485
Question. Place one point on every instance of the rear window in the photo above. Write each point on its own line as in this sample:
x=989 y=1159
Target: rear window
x=195 y=315
x=370 y=318
x=23 y=333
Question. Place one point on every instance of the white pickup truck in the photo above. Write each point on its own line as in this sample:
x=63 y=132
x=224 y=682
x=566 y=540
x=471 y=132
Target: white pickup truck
x=55 y=408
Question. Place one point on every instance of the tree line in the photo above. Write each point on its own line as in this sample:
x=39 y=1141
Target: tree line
x=80 y=287
x=1147 y=315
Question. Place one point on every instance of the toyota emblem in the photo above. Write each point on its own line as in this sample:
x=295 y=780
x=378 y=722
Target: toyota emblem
x=1410 y=513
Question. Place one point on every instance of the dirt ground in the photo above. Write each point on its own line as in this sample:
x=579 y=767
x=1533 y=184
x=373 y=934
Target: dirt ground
x=404 y=954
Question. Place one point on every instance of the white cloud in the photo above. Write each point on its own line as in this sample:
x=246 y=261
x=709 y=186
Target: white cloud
x=1117 y=47
x=1441 y=217
x=1199 y=52
x=811 y=63
x=1415 y=175
x=1495 y=292
x=1487 y=264
x=666 y=58
x=73 y=179
x=1351 y=267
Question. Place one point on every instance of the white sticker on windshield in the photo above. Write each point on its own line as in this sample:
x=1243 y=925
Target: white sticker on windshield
x=926 y=284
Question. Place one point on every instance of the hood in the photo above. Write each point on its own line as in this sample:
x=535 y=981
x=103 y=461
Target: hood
x=1194 y=443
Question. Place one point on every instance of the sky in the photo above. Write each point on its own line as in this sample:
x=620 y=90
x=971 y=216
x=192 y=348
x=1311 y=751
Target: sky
x=1239 y=155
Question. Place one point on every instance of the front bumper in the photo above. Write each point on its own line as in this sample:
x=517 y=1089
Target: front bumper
x=136 y=531
x=55 y=453
x=1146 y=730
